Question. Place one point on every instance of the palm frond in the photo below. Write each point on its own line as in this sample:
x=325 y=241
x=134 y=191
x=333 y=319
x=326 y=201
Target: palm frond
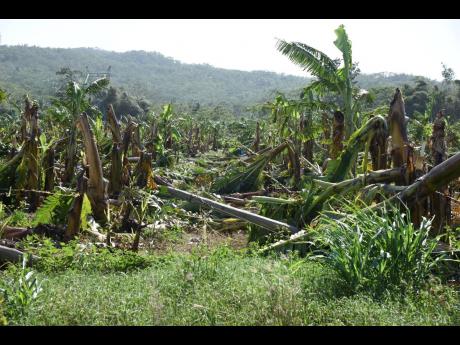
x=343 y=43
x=97 y=86
x=310 y=59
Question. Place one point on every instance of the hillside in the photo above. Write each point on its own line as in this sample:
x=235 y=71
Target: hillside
x=150 y=75
x=155 y=77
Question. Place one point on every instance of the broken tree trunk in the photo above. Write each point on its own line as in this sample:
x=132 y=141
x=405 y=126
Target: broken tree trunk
x=378 y=150
x=439 y=201
x=144 y=171
x=48 y=169
x=116 y=169
x=14 y=255
x=70 y=158
x=32 y=182
x=397 y=129
x=113 y=124
x=256 y=219
x=74 y=214
x=96 y=184
x=438 y=177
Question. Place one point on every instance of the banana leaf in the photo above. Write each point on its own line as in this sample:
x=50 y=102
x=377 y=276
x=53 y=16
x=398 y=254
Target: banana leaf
x=246 y=179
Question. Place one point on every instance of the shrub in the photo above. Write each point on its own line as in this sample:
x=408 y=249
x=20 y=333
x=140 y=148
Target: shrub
x=379 y=251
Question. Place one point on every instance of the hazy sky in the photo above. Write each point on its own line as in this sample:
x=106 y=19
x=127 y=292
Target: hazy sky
x=402 y=46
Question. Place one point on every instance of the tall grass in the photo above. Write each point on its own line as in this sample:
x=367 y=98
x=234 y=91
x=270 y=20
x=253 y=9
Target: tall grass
x=378 y=251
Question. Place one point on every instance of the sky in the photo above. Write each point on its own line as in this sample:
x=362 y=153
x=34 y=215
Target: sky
x=379 y=45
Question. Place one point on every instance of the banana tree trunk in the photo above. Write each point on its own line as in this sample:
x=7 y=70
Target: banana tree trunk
x=70 y=159
x=96 y=184
x=256 y=219
x=144 y=171
x=439 y=200
x=436 y=178
x=33 y=169
x=116 y=168
x=378 y=150
x=114 y=125
x=49 y=169
x=74 y=214
x=398 y=132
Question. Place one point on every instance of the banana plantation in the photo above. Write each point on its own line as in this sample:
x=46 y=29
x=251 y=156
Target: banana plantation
x=328 y=197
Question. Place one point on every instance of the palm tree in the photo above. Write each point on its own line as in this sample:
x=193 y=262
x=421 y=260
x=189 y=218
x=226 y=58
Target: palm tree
x=75 y=101
x=330 y=76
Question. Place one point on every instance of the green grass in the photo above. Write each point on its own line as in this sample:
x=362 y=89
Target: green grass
x=228 y=288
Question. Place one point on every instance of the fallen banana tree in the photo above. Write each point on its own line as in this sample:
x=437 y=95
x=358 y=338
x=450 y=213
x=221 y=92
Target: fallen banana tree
x=267 y=223
x=423 y=187
x=14 y=255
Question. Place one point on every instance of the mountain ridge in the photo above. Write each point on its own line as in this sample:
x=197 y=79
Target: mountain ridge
x=155 y=77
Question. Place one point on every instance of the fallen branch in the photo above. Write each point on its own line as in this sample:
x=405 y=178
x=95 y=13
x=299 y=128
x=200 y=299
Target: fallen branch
x=14 y=255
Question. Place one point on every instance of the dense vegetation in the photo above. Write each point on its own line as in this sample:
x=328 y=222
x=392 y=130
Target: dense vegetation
x=328 y=205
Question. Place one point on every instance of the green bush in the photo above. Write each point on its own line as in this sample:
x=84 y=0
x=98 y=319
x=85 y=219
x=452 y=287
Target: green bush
x=379 y=251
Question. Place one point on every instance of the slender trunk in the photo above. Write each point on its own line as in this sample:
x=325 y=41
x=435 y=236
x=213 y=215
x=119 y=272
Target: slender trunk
x=116 y=168
x=49 y=169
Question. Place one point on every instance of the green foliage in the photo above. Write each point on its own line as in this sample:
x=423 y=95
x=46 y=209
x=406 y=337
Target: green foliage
x=378 y=251
x=79 y=257
x=18 y=290
x=242 y=178
x=19 y=218
x=3 y=320
x=55 y=208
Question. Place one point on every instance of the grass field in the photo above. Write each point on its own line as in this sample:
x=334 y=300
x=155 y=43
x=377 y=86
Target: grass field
x=226 y=287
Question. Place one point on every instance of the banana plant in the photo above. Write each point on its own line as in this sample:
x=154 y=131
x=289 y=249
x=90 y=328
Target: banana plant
x=74 y=101
x=330 y=75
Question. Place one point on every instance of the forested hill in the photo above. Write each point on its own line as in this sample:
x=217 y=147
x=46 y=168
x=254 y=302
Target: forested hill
x=159 y=79
x=151 y=75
